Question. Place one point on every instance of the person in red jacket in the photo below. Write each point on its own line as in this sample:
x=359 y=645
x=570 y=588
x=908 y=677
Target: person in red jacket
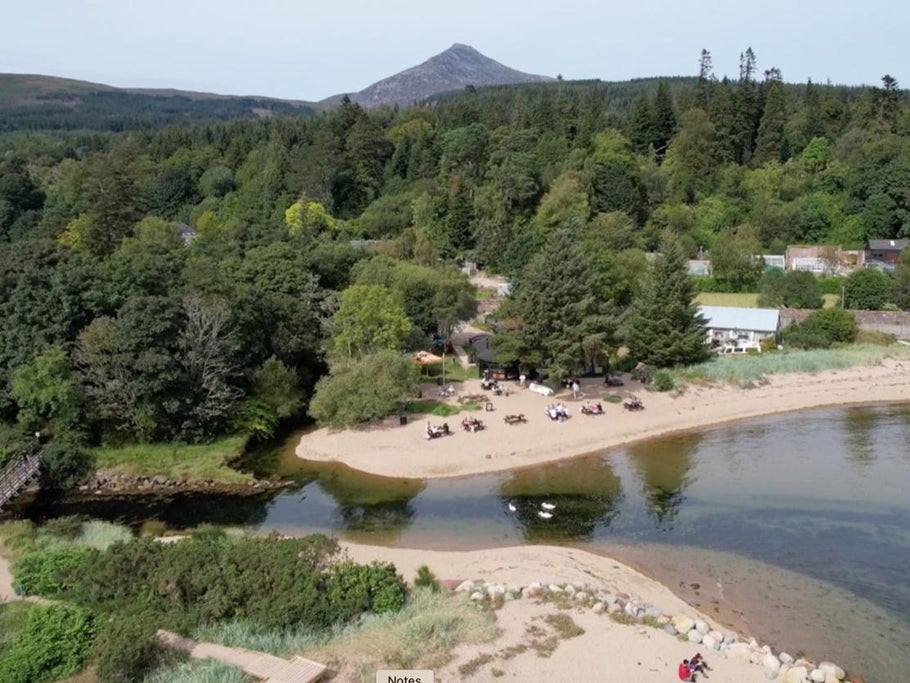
x=685 y=672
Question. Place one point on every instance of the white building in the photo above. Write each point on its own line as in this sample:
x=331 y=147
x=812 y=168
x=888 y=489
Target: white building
x=730 y=324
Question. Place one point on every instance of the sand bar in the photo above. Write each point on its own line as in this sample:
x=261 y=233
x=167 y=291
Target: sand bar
x=393 y=450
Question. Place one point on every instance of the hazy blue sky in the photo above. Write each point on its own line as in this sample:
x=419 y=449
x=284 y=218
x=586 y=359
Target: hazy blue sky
x=310 y=49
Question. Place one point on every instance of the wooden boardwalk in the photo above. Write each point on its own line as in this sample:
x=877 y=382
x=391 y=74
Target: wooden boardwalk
x=18 y=473
x=266 y=667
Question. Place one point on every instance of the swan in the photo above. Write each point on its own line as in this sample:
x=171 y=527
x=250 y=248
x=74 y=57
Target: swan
x=544 y=515
x=548 y=506
x=512 y=508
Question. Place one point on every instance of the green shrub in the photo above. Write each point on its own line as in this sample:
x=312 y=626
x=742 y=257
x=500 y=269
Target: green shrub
x=355 y=588
x=128 y=649
x=426 y=579
x=663 y=381
x=822 y=329
x=55 y=643
x=68 y=527
x=50 y=572
x=198 y=671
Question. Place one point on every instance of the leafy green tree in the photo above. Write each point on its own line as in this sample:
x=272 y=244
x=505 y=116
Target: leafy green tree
x=823 y=329
x=55 y=643
x=364 y=389
x=867 y=289
x=642 y=127
x=46 y=391
x=735 y=257
x=613 y=175
x=771 y=143
x=564 y=317
x=790 y=289
x=308 y=219
x=664 y=119
x=370 y=318
x=664 y=327
x=690 y=159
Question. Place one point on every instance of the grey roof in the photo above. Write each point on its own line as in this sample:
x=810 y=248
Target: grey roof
x=734 y=318
x=482 y=350
x=888 y=245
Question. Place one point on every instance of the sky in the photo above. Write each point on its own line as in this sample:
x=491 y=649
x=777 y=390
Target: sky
x=311 y=49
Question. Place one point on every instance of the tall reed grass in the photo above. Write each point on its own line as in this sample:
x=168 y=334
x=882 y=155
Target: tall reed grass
x=747 y=370
x=199 y=671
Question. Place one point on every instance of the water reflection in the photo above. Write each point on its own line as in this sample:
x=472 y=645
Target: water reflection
x=566 y=501
x=858 y=428
x=665 y=471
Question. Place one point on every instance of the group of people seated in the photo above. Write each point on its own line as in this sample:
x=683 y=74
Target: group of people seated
x=689 y=667
x=590 y=408
x=557 y=412
x=434 y=432
x=471 y=424
x=447 y=391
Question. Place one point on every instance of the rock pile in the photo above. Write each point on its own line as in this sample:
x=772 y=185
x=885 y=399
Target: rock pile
x=626 y=609
x=105 y=483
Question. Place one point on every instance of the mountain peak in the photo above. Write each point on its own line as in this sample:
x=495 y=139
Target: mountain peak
x=457 y=67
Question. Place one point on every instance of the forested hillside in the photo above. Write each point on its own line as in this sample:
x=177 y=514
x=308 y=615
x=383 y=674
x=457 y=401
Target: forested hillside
x=115 y=325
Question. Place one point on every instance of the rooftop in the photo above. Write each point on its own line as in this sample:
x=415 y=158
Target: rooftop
x=736 y=318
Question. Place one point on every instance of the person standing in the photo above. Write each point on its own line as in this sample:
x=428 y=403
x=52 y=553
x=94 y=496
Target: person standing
x=576 y=387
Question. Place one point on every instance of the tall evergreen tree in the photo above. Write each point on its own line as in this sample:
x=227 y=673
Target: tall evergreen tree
x=664 y=119
x=771 y=143
x=565 y=320
x=642 y=128
x=664 y=327
x=706 y=80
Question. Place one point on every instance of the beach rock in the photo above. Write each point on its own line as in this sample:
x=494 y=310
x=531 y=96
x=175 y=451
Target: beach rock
x=553 y=588
x=582 y=596
x=785 y=658
x=683 y=624
x=694 y=636
x=717 y=635
x=710 y=642
x=831 y=678
x=512 y=588
x=770 y=663
x=669 y=628
x=608 y=598
x=817 y=675
x=701 y=626
x=663 y=620
x=740 y=651
x=653 y=611
x=477 y=596
x=495 y=589
x=464 y=587
x=753 y=644
x=570 y=590
x=755 y=656
x=729 y=638
x=614 y=608
x=632 y=609
x=598 y=608
x=832 y=668
x=796 y=674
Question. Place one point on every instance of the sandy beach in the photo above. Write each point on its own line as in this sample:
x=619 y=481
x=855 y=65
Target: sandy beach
x=393 y=450
x=606 y=651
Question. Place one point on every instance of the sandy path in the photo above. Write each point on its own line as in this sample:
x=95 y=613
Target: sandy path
x=7 y=592
x=402 y=451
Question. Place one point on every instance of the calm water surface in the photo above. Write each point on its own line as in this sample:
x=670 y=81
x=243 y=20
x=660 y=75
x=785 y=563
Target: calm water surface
x=794 y=528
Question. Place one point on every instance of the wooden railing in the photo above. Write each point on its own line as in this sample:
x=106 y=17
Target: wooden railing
x=18 y=473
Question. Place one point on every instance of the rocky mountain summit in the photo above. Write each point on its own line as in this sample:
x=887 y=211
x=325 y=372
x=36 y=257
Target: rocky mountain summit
x=457 y=67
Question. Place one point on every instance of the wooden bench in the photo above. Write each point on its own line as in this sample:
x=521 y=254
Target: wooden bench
x=515 y=419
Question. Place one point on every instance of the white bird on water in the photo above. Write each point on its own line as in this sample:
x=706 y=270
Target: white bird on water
x=548 y=506
x=544 y=515
x=512 y=507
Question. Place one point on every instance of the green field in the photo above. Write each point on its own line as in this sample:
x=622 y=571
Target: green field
x=177 y=461
x=747 y=299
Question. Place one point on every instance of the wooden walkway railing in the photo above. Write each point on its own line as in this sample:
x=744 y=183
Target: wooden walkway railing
x=18 y=473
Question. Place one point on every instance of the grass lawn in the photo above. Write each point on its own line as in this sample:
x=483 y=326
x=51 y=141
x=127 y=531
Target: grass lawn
x=176 y=460
x=748 y=299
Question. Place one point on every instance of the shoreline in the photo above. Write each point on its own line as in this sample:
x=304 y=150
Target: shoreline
x=392 y=450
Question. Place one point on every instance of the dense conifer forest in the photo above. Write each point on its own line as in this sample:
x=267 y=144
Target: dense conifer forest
x=182 y=282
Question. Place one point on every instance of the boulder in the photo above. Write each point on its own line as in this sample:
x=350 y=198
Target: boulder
x=817 y=676
x=608 y=598
x=770 y=663
x=717 y=635
x=669 y=628
x=614 y=608
x=553 y=588
x=477 y=596
x=832 y=668
x=598 y=608
x=683 y=624
x=831 y=678
x=694 y=636
x=796 y=674
x=464 y=587
x=740 y=651
x=710 y=642
x=653 y=611
x=785 y=658
x=663 y=620
x=581 y=596
x=701 y=626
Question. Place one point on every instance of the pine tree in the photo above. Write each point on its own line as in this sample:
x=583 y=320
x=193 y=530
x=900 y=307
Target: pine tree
x=664 y=327
x=664 y=119
x=706 y=80
x=565 y=318
x=771 y=142
x=642 y=128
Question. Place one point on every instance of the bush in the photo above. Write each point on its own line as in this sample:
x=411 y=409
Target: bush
x=426 y=579
x=377 y=587
x=129 y=649
x=51 y=572
x=663 y=381
x=55 y=643
x=822 y=329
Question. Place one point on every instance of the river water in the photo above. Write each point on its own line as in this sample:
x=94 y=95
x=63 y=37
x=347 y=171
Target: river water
x=793 y=528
